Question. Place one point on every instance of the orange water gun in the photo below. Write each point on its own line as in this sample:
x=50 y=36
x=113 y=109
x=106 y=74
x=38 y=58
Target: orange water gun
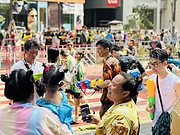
x=151 y=94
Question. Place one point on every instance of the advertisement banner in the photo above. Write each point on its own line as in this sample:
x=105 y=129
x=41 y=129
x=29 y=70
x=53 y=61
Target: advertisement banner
x=112 y=2
x=32 y=16
x=19 y=11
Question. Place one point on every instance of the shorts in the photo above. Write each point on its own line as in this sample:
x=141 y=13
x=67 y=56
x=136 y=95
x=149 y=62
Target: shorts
x=76 y=95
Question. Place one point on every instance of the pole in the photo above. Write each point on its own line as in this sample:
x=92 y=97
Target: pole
x=158 y=16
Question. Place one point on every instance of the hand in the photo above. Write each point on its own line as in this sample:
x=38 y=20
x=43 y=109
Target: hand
x=150 y=109
x=95 y=119
x=104 y=84
x=172 y=65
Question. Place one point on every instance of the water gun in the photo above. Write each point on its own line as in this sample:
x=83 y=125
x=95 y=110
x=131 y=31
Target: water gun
x=37 y=76
x=151 y=94
x=175 y=62
x=89 y=84
x=135 y=73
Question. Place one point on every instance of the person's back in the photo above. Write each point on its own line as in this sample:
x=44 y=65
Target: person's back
x=109 y=36
x=22 y=119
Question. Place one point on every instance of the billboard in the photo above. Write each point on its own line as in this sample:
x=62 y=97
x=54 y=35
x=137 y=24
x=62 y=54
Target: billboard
x=112 y=2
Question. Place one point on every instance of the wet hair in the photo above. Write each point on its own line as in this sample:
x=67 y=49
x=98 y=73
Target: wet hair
x=104 y=43
x=53 y=75
x=80 y=52
x=115 y=48
x=19 y=86
x=31 y=43
x=64 y=53
x=130 y=84
x=160 y=54
x=53 y=54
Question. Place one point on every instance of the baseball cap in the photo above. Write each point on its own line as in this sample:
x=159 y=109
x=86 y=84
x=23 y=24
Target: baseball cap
x=49 y=27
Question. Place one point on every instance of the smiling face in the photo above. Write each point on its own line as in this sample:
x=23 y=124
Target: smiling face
x=19 y=6
x=156 y=65
x=115 y=91
x=102 y=51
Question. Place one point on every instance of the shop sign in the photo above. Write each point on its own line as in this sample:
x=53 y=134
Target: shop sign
x=112 y=2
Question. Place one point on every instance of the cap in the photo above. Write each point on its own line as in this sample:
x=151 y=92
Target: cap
x=49 y=27
x=88 y=27
x=84 y=26
x=62 y=28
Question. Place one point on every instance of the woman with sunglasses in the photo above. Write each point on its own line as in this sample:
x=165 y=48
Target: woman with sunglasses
x=32 y=19
x=22 y=117
x=56 y=100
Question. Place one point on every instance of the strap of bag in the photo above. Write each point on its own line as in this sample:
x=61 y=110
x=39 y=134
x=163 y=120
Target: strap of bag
x=159 y=93
x=26 y=65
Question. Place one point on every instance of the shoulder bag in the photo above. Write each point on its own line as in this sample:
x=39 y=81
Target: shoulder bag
x=162 y=126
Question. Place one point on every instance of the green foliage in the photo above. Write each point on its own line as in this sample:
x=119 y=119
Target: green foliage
x=139 y=19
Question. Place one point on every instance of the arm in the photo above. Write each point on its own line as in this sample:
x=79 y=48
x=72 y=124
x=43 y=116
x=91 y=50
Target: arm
x=173 y=66
x=177 y=87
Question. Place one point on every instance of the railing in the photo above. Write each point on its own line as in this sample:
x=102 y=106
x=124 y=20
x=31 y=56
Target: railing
x=15 y=53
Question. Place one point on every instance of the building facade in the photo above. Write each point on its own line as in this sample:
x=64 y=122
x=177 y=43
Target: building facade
x=97 y=13
x=39 y=14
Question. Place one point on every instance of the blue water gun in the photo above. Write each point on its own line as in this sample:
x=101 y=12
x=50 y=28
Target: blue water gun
x=89 y=84
x=175 y=62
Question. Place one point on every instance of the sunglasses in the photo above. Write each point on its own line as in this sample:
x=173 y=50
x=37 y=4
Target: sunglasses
x=33 y=15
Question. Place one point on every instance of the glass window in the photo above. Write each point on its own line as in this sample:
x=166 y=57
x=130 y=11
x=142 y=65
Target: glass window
x=53 y=15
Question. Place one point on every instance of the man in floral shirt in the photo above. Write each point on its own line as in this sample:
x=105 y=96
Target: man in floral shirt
x=111 y=68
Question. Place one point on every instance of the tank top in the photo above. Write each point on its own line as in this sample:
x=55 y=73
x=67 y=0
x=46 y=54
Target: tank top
x=168 y=95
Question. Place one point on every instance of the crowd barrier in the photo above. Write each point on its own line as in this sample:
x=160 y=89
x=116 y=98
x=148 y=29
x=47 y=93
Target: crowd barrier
x=15 y=53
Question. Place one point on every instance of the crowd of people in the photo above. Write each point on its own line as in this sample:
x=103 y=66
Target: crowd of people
x=46 y=107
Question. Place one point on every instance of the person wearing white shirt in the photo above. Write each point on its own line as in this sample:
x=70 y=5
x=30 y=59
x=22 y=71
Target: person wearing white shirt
x=169 y=84
x=31 y=48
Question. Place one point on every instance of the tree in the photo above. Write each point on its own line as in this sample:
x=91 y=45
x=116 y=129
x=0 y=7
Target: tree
x=139 y=19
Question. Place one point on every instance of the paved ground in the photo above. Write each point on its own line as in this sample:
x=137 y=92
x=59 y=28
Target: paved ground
x=93 y=72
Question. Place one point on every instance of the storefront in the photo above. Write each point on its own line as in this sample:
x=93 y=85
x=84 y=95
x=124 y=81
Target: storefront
x=39 y=14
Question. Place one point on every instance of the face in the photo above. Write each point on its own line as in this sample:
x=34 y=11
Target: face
x=32 y=53
x=115 y=92
x=102 y=51
x=62 y=57
x=84 y=29
x=154 y=44
x=69 y=46
x=168 y=51
x=156 y=65
x=114 y=54
x=32 y=17
x=130 y=43
x=77 y=56
x=19 y=6
x=63 y=30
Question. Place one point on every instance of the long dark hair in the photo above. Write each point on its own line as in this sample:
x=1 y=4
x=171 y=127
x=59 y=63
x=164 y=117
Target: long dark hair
x=19 y=86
